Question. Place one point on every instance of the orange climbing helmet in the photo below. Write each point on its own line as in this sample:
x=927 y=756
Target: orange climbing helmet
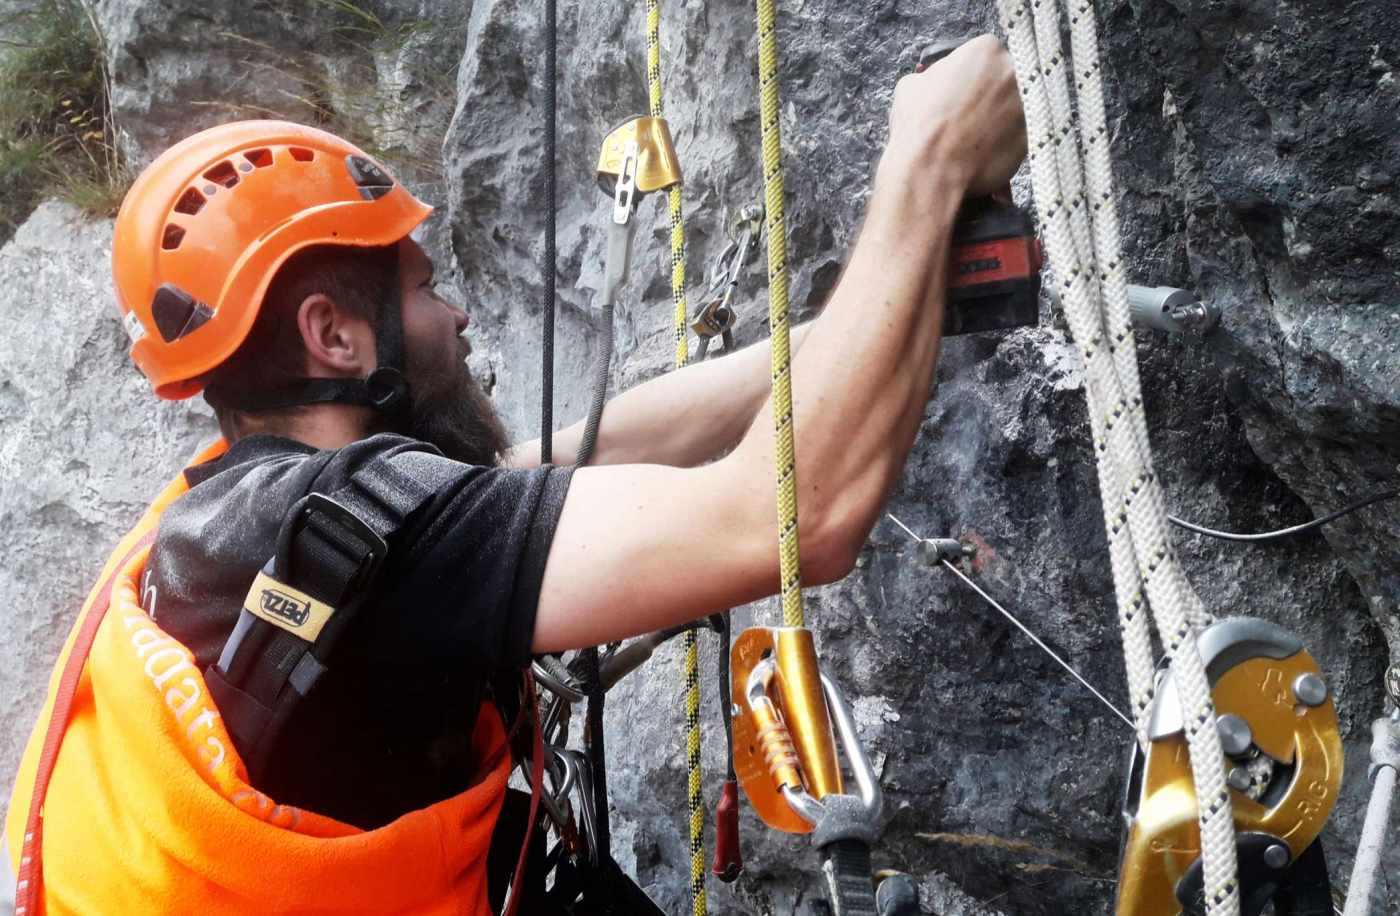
x=206 y=226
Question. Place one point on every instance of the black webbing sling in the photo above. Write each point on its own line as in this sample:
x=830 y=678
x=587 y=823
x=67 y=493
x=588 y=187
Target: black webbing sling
x=329 y=551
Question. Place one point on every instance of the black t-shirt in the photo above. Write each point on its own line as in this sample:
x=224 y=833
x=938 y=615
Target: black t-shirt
x=387 y=729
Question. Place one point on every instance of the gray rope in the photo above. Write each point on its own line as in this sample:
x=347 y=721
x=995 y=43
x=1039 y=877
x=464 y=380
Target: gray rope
x=600 y=385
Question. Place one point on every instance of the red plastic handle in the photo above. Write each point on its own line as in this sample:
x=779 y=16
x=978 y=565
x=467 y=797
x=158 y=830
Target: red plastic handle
x=728 y=860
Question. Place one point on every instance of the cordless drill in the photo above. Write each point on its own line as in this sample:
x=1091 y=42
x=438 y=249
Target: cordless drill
x=994 y=267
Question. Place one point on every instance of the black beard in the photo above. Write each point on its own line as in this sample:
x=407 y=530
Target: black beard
x=453 y=413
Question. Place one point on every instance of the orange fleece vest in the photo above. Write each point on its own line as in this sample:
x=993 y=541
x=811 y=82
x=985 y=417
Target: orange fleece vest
x=148 y=808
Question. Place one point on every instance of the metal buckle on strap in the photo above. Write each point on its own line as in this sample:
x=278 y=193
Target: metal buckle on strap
x=322 y=507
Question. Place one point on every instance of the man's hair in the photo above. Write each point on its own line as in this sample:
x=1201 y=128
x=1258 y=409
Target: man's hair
x=272 y=356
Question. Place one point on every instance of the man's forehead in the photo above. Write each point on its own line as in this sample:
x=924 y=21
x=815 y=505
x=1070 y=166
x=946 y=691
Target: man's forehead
x=413 y=259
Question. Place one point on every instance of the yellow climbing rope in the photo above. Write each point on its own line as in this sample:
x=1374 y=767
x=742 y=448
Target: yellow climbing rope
x=789 y=566
x=674 y=197
x=694 y=800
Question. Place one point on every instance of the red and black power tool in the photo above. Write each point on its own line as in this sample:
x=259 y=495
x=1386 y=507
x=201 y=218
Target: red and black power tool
x=994 y=270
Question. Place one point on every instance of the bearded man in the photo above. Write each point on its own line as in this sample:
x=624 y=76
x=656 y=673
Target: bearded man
x=291 y=703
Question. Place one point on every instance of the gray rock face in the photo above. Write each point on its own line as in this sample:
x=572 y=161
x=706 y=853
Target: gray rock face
x=83 y=447
x=1256 y=149
x=379 y=69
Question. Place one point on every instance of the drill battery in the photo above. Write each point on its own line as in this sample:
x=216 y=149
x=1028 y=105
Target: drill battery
x=994 y=269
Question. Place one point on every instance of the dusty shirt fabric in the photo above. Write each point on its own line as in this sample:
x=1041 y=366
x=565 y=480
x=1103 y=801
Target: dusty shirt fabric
x=388 y=729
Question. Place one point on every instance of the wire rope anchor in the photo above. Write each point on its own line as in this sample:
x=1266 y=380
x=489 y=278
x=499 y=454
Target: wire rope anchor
x=1176 y=311
x=1278 y=726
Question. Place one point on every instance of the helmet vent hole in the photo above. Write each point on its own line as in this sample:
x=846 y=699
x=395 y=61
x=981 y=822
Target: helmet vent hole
x=261 y=158
x=172 y=238
x=190 y=202
x=224 y=173
x=302 y=155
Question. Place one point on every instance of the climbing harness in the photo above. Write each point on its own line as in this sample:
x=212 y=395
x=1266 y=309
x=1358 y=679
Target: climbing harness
x=329 y=551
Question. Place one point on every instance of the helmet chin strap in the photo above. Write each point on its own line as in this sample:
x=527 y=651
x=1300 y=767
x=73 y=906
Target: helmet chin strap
x=385 y=389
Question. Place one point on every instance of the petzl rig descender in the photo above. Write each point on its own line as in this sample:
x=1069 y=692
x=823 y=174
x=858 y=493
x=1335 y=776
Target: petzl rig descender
x=1278 y=729
x=787 y=718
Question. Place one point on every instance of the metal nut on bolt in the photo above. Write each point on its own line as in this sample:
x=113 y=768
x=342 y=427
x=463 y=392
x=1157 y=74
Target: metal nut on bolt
x=1277 y=856
x=1235 y=736
x=1310 y=690
x=938 y=549
x=1238 y=779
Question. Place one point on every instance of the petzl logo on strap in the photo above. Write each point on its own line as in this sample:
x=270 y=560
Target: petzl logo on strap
x=286 y=607
x=281 y=604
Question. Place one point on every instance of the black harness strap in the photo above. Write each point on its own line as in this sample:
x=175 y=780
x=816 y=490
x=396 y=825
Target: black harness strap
x=329 y=551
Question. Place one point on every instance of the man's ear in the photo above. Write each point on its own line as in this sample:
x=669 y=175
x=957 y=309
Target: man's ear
x=337 y=342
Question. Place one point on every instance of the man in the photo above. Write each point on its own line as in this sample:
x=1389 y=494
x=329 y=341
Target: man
x=269 y=266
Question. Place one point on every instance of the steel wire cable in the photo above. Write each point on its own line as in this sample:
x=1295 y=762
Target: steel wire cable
x=1285 y=532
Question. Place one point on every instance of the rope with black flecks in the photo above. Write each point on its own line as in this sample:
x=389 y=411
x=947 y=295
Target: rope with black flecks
x=1073 y=182
x=695 y=806
x=778 y=323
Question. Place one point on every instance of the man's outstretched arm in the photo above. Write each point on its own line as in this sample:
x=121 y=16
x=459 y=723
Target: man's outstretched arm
x=642 y=547
x=681 y=419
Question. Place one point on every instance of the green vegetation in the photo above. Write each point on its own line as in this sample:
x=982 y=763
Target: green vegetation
x=350 y=83
x=56 y=135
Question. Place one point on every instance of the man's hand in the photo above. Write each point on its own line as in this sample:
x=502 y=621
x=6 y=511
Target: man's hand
x=962 y=116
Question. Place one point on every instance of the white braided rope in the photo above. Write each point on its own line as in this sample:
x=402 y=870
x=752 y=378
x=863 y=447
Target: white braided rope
x=1073 y=185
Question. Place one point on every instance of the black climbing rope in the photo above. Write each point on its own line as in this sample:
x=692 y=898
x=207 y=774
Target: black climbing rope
x=549 y=268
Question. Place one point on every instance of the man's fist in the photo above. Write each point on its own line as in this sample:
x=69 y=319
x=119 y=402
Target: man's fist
x=961 y=117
